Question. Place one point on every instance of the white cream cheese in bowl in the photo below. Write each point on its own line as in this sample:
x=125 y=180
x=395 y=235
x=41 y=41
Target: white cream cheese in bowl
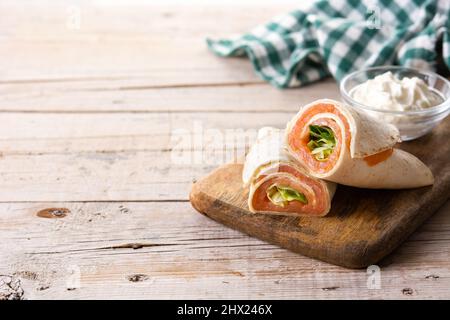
x=388 y=92
x=414 y=101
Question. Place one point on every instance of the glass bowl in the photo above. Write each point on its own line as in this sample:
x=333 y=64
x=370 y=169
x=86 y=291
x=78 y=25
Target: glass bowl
x=411 y=124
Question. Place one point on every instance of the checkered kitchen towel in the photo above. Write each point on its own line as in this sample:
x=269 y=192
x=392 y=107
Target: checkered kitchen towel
x=340 y=36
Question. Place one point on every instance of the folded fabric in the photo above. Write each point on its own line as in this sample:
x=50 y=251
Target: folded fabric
x=340 y=36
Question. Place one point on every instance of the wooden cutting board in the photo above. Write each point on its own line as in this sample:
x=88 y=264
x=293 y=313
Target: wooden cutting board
x=363 y=225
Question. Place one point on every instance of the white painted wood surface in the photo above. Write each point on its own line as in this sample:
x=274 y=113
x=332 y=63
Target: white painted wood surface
x=90 y=121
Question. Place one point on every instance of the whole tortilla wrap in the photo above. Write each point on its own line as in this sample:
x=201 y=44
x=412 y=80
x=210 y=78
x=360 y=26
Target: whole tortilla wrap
x=368 y=136
x=264 y=159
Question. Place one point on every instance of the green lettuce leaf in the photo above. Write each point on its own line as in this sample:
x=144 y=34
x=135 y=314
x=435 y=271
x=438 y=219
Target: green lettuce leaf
x=280 y=196
x=322 y=142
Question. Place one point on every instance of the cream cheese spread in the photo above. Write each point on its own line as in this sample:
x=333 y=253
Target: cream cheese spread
x=387 y=92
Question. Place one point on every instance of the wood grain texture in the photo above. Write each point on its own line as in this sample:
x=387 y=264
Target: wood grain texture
x=114 y=42
x=118 y=156
x=88 y=116
x=138 y=95
x=168 y=251
x=116 y=61
x=363 y=225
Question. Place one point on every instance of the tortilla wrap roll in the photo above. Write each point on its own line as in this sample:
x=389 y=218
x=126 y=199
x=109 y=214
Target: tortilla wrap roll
x=337 y=143
x=279 y=185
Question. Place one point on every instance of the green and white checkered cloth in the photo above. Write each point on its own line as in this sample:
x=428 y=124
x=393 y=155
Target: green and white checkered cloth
x=340 y=36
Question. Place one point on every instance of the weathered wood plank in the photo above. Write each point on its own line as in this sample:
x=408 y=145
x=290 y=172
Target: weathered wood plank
x=118 y=156
x=138 y=95
x=115 y=62
x=160 y=43
x=126 y=176
x=137 y=18
x=106 y=132
x=181 y=254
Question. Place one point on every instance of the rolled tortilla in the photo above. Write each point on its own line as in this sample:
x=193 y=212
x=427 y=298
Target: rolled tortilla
x=363 y=154
x=278 y=185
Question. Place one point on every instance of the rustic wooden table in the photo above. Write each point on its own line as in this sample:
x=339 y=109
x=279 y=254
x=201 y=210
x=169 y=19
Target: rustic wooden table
x=92 y=99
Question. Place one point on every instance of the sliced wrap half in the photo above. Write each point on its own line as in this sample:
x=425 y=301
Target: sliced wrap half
x=337 y=143
x=278 y=184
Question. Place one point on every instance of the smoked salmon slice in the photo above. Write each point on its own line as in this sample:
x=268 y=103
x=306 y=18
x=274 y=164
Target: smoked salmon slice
x=278 y=184
x=338 y=143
